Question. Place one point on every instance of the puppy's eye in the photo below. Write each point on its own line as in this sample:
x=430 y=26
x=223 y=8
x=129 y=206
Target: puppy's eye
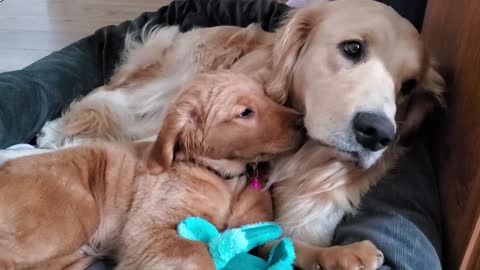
x=352 y=49
x=407 y=87
x=246 y=113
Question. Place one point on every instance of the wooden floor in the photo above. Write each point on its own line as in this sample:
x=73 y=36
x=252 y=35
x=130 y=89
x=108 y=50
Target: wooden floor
x=32 y=29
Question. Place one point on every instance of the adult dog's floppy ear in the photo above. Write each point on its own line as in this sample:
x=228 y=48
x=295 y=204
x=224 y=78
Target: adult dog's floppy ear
x=423 y=100
x=291 y=38
x=176 y=133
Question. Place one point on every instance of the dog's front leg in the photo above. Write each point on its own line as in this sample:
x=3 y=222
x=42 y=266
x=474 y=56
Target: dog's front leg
x=162 y=249
x=75 y=261
x=362 y=255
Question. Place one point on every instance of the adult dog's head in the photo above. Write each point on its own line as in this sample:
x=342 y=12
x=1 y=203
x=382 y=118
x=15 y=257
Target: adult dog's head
x=359 y=73
x=224 y=116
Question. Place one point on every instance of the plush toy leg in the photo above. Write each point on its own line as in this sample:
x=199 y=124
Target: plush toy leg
x=241 y=240
x=246 y=261
x=282 y=255
x=197 y=229
x=261 y=233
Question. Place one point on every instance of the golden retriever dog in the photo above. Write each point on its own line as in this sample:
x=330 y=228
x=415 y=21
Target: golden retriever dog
x=363 y=79
x=109 y=199
x=355 y=69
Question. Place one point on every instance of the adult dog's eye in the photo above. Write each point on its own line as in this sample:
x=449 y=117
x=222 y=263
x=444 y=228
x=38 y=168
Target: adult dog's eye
x=352 y=49
x=246 y=113
x=407 y=87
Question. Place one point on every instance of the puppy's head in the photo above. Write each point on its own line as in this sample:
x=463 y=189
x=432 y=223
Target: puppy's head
x=224 y=116
x=359 y=73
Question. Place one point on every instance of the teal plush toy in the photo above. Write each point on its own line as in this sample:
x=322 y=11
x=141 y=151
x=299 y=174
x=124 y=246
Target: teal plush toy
x=230 y=248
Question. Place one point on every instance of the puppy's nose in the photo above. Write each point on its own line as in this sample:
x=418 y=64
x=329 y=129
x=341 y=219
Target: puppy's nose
x=373 y=131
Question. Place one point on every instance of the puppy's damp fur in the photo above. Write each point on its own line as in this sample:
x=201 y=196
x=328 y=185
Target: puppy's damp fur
x=302 y=64
x=58 y=210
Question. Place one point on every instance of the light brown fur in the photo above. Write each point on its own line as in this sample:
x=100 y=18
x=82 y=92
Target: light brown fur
x=302 y=65
x=101 y=199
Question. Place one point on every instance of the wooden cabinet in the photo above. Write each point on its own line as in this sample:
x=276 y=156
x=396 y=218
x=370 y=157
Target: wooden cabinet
x=452 y=31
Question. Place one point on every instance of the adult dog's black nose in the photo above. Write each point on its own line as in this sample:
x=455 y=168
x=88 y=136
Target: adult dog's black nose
x=373 y=131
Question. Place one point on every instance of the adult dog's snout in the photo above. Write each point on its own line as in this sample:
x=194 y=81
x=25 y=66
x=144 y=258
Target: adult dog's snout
x=373 y=131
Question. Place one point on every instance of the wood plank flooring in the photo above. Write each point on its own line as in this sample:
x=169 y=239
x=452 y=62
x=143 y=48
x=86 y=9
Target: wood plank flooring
x=32 y=29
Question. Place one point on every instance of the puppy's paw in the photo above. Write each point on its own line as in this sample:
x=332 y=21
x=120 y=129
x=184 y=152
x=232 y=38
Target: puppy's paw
x=357 y=256
x=51 y=136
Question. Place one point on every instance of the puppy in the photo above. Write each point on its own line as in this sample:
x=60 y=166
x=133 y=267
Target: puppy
x=106 y=200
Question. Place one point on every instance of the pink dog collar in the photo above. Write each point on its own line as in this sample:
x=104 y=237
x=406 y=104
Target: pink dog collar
x=256 y=184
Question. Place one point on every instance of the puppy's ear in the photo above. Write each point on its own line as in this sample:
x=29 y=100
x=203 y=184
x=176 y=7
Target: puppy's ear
x=291 y=39
x=430 y=94
x=237 y=45
x=177 y=131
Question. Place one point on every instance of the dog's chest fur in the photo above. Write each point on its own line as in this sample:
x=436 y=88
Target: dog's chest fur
x=312 y=192
x=310 y=217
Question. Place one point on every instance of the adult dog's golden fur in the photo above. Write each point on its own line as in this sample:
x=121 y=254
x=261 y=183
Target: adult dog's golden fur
x=314 y=188
x=305 y=65
x=102 y=199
